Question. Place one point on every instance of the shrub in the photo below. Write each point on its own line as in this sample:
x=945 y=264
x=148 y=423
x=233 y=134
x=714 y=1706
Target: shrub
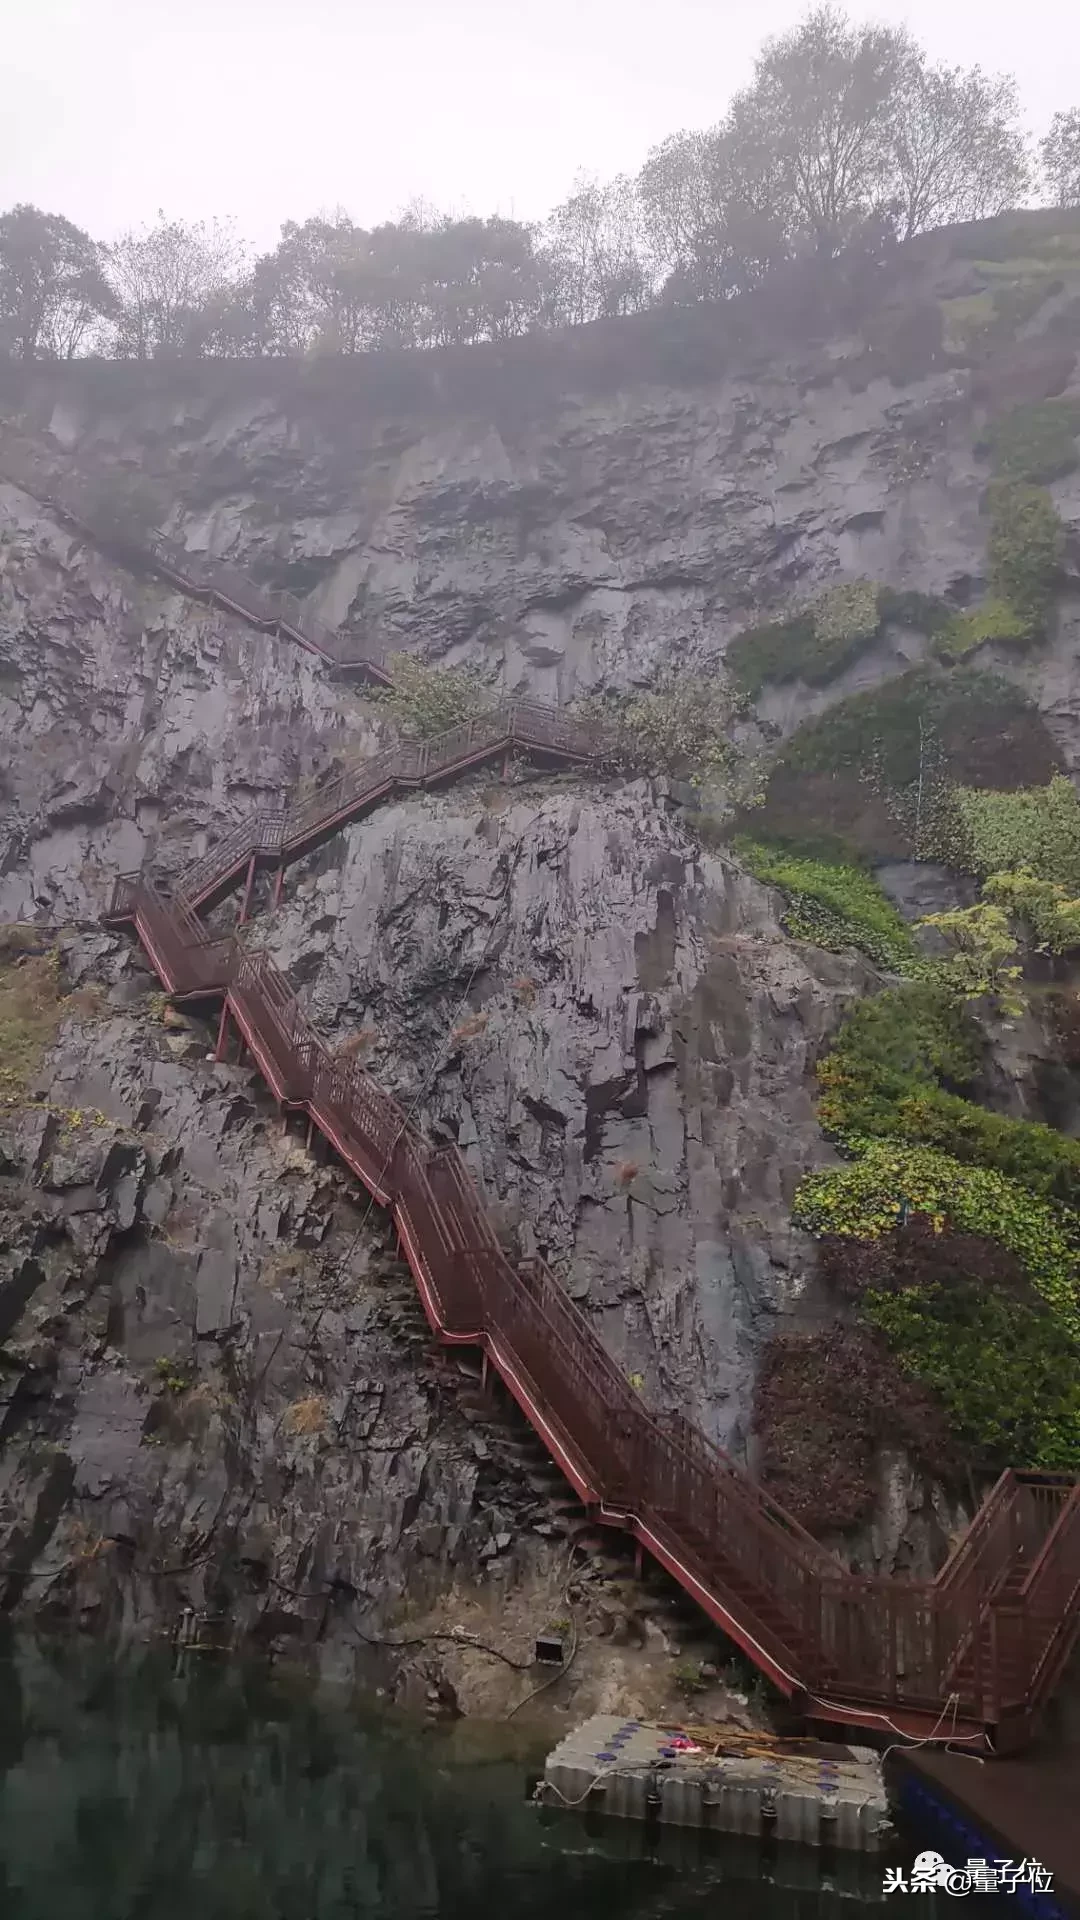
x=984 y=961
x=1035 y=444
x=812 y=645
x=425 y=700
x=995 y=620
x=1040 y=1158
x=890 y=1046
x=1026 y=546
x=873 y=773
x=1033 y=828
x=823 y=1404
x=847 y=615
x=834 y=906
x=681 y=727
x=889 y=1182
x=894 y=1072
x=884 y=730
x=1052 y=914
x=773 y=652
x=1006 y=1371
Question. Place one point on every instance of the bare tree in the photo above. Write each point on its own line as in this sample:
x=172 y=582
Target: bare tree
x=52 y=288
x=677 y=191
x=1060 y=156
x=593 y=254
x=165 y=280
x=957 y=150
x=822 y=106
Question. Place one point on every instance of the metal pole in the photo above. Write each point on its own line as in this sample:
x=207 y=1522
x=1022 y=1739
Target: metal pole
x=246 y=902
x=222 y=1047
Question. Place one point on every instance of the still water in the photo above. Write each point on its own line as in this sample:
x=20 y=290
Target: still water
x=130 y=1791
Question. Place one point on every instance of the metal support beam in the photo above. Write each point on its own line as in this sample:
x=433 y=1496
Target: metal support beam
x=246 y=901
x=221 y=1051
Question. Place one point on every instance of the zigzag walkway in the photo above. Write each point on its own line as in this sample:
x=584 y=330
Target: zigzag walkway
x=972 y=1655
x=276 y=839
x=77 y=498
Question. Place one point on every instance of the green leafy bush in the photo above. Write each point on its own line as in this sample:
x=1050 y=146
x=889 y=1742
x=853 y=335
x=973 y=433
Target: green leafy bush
x=1025 y=551
x=847 y=615
x=776 y=651
x=995 y=620
x=834 y=906
x=896 y=1071
x=681 y=727
x=1035 y=444
x=1041 y=1158
x=812 y=645
x=1049 y=910
x=961 y=1318
x=890 y=1046
x=886 y=729
x=425 y=699
x=985 y=956
x=1006 y=1371
x=889 y=1181
x=1033 y=828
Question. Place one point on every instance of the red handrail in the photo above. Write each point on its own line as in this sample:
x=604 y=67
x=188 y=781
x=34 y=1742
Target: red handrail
x=978 y=1648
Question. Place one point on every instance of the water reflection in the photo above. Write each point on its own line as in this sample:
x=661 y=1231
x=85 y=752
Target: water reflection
x=128 y=1792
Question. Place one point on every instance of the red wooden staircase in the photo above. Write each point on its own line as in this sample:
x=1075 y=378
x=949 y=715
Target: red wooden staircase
x=973 y=1654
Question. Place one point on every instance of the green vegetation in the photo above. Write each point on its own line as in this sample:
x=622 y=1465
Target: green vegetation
x=1035 y=829
x=1027 y=543
x=824 y=1403
x=984 y=961
x=1005 y=1370
x=31 y=1008
x=1052 y=914
x=891 y=1181
x=898 y=1070
x=681 y=727
x=834 y=906
x=891 y=1046
x=174 y=1376
x=426 y=699
x=812 y=645
x=1035 y=444
x=873 y=774
x=994 y=621
x=886 y=729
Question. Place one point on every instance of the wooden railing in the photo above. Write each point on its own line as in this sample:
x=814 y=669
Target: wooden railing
x=276 y=838
x=83 y=500
x=971 y=1654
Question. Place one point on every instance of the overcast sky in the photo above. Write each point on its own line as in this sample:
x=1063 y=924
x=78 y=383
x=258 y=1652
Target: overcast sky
x=271 y=109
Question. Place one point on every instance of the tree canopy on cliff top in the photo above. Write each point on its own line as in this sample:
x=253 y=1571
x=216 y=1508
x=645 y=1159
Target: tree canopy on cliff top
x=846 y=133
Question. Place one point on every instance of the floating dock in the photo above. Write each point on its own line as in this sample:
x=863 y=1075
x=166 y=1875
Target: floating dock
x=722 y=1779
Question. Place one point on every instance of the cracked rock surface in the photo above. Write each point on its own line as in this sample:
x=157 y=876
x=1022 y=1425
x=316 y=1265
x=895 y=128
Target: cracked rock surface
x=216 y=1389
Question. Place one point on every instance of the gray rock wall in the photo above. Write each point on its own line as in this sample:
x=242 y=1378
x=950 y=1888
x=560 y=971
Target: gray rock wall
x=213 y=1392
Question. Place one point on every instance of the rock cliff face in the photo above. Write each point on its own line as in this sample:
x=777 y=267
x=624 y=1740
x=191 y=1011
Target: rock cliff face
x=216 y=1392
